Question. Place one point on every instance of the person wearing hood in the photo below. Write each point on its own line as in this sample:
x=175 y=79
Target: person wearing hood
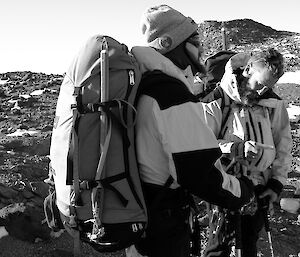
x=255 y=138
x=177 y=152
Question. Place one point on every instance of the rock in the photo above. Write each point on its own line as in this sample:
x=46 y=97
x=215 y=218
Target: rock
x=54 y=82
x=47 y=128
x=37 y=202
x=16 y=110
x=5 y=202
x=2 y=93
x=10 y=209
x=25 y=221
x=7 y=192
x=23 y=127
x=27 y=226
x=27 y=102
x=41 y=147
x=27 y=194
x=27 y=76
x=40 y=188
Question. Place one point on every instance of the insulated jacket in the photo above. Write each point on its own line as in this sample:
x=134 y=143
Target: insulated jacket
x=172 y=137
x=267 y=122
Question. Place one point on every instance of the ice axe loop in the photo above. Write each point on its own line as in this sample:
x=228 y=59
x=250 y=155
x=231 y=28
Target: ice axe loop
x=104 y=45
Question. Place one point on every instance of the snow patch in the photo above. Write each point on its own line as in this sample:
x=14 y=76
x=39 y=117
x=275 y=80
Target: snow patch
x=290 y=55
x=37 y=92
x=293 y=112
x=3 y=232
x=290 y=77
x=22 y=132
x=3 y=82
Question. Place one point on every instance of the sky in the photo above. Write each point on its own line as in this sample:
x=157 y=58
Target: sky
x=44 y=35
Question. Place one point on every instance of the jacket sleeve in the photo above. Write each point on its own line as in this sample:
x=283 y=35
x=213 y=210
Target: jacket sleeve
x=194 y=156
x=213 y=118
x=283 y=143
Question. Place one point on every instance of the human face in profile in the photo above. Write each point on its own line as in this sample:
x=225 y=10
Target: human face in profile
x=195 y=50
x=259 y=76
x=257 y=79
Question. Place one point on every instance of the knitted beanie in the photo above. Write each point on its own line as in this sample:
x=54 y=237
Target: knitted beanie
x=164 y=28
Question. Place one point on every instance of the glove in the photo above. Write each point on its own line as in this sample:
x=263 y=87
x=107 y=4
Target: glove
x=266 y=197
x=271 y=196
x=257 y=179
x=248 y=151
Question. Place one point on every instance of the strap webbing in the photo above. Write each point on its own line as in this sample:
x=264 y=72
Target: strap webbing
x=96 y=211
x=77 y=244
x=158 y=198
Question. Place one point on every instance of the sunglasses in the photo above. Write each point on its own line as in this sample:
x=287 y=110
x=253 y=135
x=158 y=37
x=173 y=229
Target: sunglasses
x=194 y=39
x=263 y=89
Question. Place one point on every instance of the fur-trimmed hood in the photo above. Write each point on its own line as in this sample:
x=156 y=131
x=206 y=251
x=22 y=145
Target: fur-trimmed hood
x=229 y=82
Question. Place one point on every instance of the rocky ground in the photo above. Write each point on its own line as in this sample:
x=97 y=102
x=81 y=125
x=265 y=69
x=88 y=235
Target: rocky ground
x=26 y=116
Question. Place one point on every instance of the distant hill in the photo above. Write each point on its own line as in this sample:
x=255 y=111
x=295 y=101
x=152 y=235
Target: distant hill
x=249 y=35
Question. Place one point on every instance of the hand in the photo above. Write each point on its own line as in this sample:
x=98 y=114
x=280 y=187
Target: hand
x=257 y=179
x=271 y=196
x=253 y=149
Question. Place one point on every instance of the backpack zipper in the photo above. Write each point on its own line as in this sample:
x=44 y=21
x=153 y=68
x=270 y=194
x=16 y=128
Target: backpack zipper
x=131 y=77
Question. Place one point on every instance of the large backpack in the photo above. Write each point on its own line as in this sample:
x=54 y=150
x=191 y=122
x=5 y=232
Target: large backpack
x=93 y=160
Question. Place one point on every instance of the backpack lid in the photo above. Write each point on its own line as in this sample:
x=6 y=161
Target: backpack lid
x=87 y=62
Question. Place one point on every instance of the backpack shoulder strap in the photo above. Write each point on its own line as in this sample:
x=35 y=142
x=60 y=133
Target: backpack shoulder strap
x=226 y=102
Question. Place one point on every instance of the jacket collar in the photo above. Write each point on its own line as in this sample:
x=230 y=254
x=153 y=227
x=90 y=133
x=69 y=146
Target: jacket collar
x=229 y=82
x=149 y=60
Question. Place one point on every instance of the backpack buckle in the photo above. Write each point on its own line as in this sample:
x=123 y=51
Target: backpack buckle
x=72 y=221
x=134 y=227
x=88 y=184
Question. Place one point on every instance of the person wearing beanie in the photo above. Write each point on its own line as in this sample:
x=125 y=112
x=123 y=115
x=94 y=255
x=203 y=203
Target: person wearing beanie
x=166 y=30
x=178 y=154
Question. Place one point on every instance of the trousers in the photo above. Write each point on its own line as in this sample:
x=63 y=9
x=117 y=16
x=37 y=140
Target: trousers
x=168 y=232
x=250 y=227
